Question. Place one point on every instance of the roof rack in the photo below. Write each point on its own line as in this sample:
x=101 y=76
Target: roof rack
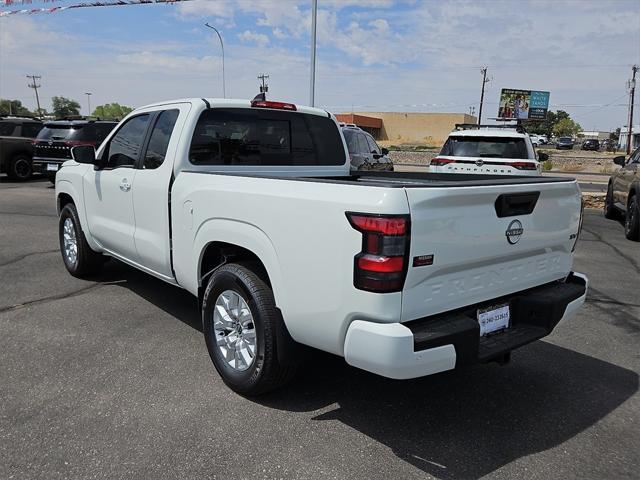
x=30 y=117
x=474 y=126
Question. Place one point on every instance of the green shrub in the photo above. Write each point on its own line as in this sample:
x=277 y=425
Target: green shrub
x=547 y=165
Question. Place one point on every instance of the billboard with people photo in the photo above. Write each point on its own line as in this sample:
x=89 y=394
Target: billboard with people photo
x=523 y=104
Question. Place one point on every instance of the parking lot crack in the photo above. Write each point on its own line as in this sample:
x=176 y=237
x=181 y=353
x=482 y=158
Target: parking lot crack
x=635 y=265
x=26 y=255
x=53 y=298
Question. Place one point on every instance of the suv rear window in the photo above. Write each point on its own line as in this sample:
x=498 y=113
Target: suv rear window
x=485 y=147
x=240 y=136
x=89 y=132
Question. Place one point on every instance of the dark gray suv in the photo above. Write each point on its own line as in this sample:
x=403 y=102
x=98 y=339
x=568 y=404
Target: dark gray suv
x=364 y=152
x=623 y=194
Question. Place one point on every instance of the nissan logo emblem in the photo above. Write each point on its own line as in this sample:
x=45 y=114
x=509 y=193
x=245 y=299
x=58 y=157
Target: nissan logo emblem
x=514 y=232
x=479 y=163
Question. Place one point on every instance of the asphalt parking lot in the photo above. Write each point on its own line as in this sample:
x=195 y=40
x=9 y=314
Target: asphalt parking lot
x=111 y=379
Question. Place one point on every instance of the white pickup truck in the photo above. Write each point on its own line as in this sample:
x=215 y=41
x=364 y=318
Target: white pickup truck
x=251 y=207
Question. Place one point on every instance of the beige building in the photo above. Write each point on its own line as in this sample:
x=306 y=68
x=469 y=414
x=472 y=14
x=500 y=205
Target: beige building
x=407 y=127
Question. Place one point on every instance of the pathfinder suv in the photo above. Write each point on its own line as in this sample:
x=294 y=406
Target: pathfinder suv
x=53 y=145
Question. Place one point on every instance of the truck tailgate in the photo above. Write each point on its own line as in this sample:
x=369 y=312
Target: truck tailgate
x=487 y=242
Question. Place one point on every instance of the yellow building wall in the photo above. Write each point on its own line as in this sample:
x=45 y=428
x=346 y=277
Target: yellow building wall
x=417 y=128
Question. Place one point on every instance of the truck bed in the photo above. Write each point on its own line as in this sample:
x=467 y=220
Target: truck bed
x=410 y=179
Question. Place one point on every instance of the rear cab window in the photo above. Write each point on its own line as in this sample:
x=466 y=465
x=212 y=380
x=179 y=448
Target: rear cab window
x=264 y=137
x=485 y=147
x=7 y=128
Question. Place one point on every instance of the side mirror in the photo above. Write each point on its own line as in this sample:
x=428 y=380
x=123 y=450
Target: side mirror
x=385 y=151
x=84 y=154
x=619 y=160
x=543 y=157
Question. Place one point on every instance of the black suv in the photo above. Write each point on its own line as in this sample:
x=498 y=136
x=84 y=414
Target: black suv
x=591 y=144
x=53 y=145
x=16 y=135
x=364 y=152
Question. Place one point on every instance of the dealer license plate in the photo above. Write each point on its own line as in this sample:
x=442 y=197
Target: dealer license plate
x=493 y=319
x=52 y=167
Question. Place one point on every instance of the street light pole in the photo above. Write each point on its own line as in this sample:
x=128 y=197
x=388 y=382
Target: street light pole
x=312 y=88
x=224 y=90
x=88 y=94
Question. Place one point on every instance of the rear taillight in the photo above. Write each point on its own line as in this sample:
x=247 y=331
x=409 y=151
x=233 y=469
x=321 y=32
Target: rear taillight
x=523 y=165
x=439 y=161
x=381 y=266
x=276 y=105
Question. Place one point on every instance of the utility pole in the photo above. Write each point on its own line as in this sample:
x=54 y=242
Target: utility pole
x=88 y=94
x=483 y=70
x=312 y=86
x=264 y=87
x=632 y=86
x=35 y=86
x=224 y=88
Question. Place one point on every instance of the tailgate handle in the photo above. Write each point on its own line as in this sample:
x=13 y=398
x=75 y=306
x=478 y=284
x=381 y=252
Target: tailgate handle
x=513 y=204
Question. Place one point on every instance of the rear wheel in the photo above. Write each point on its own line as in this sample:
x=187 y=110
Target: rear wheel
x=20 y=168
x=77 y=255
x=240 y=324
x=632 y=219
x=610 y=210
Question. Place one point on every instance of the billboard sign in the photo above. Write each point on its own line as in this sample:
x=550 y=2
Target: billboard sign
x=523 y=104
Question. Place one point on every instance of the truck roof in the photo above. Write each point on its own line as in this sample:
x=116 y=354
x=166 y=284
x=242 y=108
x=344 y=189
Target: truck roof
x=232 y=103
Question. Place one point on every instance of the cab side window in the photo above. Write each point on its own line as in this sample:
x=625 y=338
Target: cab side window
x=159 y=141
x=125 y=145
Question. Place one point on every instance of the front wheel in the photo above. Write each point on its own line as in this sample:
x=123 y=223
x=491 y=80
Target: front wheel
x=77 y=255
x=20 y=168
x=632 y=219
x=610 y=211
x=240 y=324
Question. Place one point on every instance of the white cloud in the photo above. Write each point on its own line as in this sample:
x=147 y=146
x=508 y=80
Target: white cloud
x=259 y=39
x=279 y=34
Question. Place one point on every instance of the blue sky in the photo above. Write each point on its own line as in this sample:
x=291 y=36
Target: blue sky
x=373 y=55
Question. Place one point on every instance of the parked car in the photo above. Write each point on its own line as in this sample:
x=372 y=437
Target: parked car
x=489 y=150
x=538 y=140
x=16 y=150
x=591 y=144
x=623 y=194
x=364 y=152
x=564 y=143
x=608 y=145
x=53 y=145
x=253 y=208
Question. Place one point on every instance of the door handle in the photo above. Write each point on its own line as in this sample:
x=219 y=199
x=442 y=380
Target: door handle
x=124 y=185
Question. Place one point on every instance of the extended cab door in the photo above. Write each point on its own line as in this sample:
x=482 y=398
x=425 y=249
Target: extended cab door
x=108 y=191
x=152 y=187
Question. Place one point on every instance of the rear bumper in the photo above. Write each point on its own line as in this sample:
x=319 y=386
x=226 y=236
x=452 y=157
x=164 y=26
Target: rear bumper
x=442 y=342
x=40 y=164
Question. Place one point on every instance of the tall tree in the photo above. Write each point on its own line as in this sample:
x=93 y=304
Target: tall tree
x=65 y=107
x=13 y=107
x=112 y=111
x=566 y=127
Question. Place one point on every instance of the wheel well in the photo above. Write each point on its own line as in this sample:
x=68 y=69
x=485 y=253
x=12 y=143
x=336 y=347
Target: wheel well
x=63 y=199
x=217 y=254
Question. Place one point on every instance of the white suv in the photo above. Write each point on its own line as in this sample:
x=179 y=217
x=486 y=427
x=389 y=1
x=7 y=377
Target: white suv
x=491 y=150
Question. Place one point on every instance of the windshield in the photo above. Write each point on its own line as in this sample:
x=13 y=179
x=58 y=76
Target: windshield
x=485 y=147
x=58 y=132
x=564 y=139
x=352 y=140
x=265 y=137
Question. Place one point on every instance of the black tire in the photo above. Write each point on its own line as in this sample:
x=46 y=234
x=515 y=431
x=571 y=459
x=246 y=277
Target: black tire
x=87 y=262
x=265 y=372
x=632 y=220
x=610 y=211
x=20 y=168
